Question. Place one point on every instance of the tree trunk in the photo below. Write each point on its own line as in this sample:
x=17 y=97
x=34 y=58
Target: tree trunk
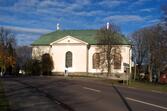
x=150 y=72
x=158 y=75
x=109 y=59
x=109 y=70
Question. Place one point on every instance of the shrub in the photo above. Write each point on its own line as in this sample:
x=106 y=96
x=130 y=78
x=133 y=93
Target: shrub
x=47 y=64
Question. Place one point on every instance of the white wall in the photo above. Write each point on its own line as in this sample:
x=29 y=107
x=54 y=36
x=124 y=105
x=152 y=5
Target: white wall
x=79 y=57
x=79 y=54
x=93 y=49
x=125 y=52
x=37 y=51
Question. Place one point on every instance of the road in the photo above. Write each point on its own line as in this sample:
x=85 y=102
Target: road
x=78 y=94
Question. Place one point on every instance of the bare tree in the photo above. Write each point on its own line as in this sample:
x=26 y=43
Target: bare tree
x=157 y=49
x=151 y=49
x=108 y=39
x=7 y=38
x=7 y=44
x=139 y=40
x=23 y=55
x=164 y=17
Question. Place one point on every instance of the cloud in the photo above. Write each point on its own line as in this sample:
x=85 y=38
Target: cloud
x=26 y=30
x=6 y=18
x=112 y=3
x=26 y=38
x=124 y=18
x=52 y=5
x=90 y=13
x=49 y=7
x=154 y=21
x=37 y=16
x=147 y=10
x=138 y=3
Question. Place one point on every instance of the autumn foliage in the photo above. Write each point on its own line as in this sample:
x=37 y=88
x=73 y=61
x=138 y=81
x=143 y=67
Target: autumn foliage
x=7 y=51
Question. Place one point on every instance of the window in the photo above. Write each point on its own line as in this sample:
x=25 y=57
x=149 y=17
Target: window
x=96 y=60
x=68 y=59
x=117 y=61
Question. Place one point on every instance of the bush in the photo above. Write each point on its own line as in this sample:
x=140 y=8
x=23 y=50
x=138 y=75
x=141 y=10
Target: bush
x=39 y=67
x=32 y=67
x=47 y=64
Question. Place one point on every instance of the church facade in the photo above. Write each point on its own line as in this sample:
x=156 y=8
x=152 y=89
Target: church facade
x=77 y=50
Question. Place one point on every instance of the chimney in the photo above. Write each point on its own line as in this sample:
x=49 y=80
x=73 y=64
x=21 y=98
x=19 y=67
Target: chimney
x=108 y=25
x=58 y=26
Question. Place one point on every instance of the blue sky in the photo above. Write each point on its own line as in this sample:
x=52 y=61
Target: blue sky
x=29 y=19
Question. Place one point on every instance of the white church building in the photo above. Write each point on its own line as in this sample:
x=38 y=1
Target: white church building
x=78 y=50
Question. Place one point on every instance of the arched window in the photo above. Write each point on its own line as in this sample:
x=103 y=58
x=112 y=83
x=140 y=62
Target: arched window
x=68 y=61
x=117 y=61
x=96 y=60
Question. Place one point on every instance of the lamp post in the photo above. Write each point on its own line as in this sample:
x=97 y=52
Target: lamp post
x=134 y=78
x=129 y=75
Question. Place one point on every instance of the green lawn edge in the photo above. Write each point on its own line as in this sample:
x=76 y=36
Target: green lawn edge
x=149 y=86
x=141 y=85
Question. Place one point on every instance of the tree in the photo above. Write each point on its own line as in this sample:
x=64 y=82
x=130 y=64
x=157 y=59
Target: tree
x=150 y=46
x=23 y=55
x=32 y=67
x=157 y=49
x=164 y=17
x=151 y=49
x=47 y=64
x=139 y=40
x=108 y=39
x=142 y=41
x=7 y=47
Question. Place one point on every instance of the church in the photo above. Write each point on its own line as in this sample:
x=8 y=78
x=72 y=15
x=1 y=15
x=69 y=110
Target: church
x=78 y=51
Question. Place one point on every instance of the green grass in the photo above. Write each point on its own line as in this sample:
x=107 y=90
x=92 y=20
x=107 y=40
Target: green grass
x=149 y=86
x=141 y=85
x=4 y=104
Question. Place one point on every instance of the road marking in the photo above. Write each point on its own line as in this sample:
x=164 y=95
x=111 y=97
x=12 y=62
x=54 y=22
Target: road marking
x=95 y=90
x=162 y=107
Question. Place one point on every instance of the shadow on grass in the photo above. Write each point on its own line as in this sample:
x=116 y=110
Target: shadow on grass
x=4 y=103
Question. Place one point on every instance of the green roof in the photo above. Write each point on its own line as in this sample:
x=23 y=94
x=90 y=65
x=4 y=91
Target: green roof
x=84 y=35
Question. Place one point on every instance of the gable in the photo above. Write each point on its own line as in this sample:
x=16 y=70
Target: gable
x=68 y=40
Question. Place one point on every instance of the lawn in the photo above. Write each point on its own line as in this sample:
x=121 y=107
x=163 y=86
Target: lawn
x=4 y=104
x=141 y=85
x=149 y=86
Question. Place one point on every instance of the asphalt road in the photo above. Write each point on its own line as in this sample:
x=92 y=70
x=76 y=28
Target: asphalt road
x=78 y=94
